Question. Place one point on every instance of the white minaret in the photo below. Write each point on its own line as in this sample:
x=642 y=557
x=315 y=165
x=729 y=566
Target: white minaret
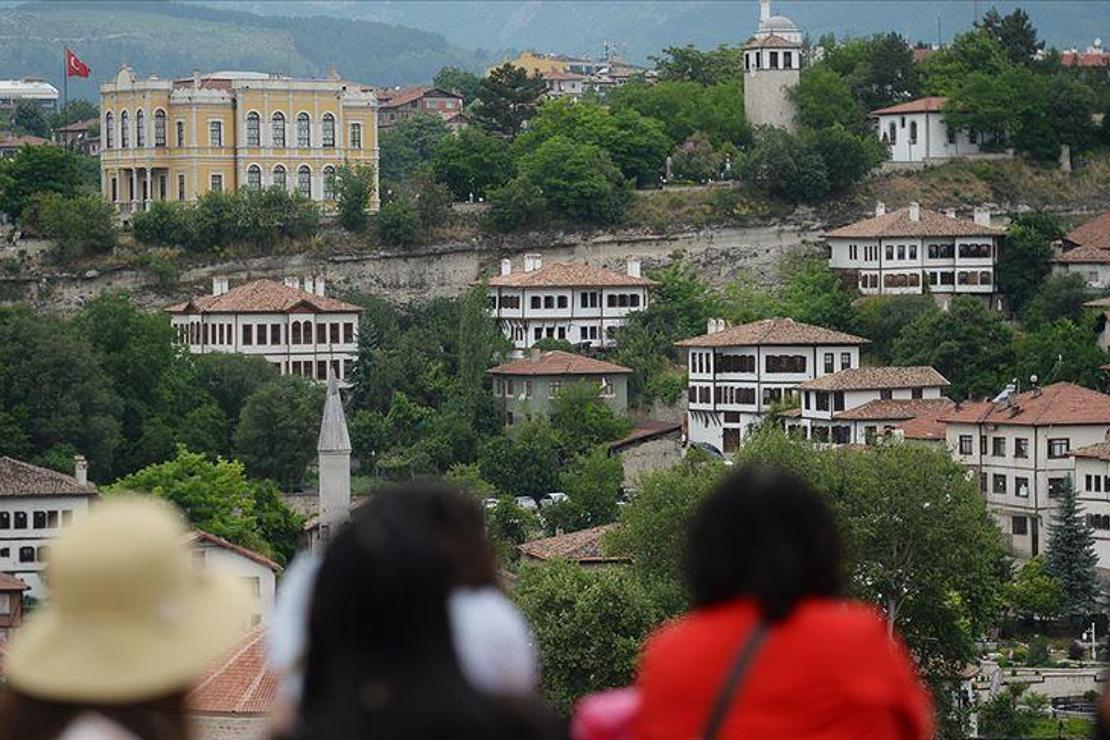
x=764 y=11
x=334 y=450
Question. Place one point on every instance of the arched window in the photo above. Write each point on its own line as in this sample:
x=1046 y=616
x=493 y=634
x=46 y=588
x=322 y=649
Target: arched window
x=124 y=134
x=254 y=177
x=140 y=128
x=160 y=128
x=277 y=123
x=296 y=338
x=304 y=181
x=329 y=183
x=355 y=141
x=329 y=131
x=304 y=133
x=109 y=130
x=254 y=129
x=279 y=177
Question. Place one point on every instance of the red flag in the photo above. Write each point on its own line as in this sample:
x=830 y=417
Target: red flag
x=74 y=66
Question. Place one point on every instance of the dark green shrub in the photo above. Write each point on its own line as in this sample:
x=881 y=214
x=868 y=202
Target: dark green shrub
x=398 y=224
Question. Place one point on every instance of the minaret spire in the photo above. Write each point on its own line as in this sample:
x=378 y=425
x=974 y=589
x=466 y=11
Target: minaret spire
x=334 y=450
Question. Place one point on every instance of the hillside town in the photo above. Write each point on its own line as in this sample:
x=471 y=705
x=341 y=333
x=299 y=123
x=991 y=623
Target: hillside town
x=535 y=379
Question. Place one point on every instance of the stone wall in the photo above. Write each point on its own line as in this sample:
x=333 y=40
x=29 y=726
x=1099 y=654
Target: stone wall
x=438 y=270
x=655 y=454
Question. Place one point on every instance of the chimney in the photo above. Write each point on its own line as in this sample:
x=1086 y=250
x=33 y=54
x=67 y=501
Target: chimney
x=196 y=78
x=880 y=208
x=532 y=262
x=715 y=325
x=220 y=285
x=506 y=267
x=318 y=288
x=982 y=216
x=81 y=470
x=915 y=211
x=293 y=282
x=634 y=267
x=535 y=354
x=764 y=10
x=950 y=212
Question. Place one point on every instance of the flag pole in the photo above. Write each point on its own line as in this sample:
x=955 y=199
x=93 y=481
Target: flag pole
x=65 y=97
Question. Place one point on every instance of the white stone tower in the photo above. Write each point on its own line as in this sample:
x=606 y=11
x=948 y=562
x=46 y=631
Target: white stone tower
x=772 y=65
x=334 y=450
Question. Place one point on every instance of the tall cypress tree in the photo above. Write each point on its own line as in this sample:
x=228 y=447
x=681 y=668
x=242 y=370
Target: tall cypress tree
x=1071 y=554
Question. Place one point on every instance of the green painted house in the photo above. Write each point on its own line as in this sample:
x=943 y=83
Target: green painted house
x=525 y=388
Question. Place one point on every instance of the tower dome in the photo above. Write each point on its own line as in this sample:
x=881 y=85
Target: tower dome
x=776 y=25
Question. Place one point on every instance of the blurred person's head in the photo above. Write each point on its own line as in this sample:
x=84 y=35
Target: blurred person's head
x=764 y=534
x=380 y=652
x=129 y=626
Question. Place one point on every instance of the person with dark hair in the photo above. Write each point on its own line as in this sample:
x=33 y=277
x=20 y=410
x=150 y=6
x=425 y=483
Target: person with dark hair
x=771 y=647
x=130 y=626
x=381 y=661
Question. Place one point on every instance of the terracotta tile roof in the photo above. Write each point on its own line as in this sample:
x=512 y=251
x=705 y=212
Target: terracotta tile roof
x=873 y=378
x=777 y=331
x=925 y=428
x=262 y=296
x=895 y=409
x=921 y=105
x=9 y=582
x=568 y=275
x=199 y=535
x=1099 y=451
x=646 y=430
x=1093 y=233
x=1085 y=59
x=18 y=478
x=404 y=96
x=558 y=74
x=1083 y=256
x=557 y=362
x=12 y=142
x=239 y=683
x=773 y=41
x=1059 y=404
x=77 y=126
x=898 y=223
x=1100 y=303
x=583 y=546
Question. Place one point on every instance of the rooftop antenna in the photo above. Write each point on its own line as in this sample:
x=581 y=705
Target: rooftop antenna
x=938 y=31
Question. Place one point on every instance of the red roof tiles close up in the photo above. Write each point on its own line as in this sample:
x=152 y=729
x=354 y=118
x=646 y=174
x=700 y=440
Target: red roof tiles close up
x=239 y=683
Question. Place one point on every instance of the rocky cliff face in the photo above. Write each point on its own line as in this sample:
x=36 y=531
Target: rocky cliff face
x=438 y=270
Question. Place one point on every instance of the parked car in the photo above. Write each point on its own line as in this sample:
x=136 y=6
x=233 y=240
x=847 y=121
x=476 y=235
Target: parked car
x=556 y=497
x=526 y=502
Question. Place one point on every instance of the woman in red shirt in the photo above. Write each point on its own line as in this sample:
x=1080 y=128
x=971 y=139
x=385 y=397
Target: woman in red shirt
x=772 y=649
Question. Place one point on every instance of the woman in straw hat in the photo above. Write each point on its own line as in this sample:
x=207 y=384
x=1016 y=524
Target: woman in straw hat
x=129 y=626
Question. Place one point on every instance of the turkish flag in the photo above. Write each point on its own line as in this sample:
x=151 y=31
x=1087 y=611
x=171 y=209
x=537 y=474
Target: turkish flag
x=74 y=66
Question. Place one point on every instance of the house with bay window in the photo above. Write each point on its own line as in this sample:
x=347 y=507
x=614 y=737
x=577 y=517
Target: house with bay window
x=736 y=374
x=1024 y=449
x=299 y=331
x=858 y=405
x=913 y=251
x=583 y=304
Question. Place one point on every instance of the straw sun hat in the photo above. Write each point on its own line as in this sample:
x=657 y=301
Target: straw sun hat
x=130 y=618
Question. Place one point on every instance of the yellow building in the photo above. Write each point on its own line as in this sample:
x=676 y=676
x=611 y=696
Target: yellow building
x=179 y=139
x=538 y=64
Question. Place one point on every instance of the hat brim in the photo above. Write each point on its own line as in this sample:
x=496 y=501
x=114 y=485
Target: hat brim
x=111 y=658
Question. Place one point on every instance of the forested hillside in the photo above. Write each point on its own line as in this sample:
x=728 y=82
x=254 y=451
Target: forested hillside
x=170 y=39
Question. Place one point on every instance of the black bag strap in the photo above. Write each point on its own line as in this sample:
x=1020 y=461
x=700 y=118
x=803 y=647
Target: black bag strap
x=731 y=687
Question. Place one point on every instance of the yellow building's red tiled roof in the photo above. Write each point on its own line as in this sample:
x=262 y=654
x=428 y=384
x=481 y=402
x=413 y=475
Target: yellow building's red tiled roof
x=262 y=296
